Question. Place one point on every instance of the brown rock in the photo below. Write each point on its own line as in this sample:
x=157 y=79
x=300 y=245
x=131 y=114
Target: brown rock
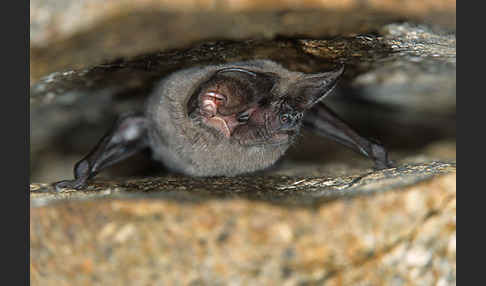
x=405 y=235
x=67 y=35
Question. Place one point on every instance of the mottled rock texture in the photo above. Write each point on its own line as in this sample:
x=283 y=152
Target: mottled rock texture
x=392 y=237
x=321 y=216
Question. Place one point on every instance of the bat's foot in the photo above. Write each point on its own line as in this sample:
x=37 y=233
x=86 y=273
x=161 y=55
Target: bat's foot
x=380 y=165
x=69 y=184
x=380 y=156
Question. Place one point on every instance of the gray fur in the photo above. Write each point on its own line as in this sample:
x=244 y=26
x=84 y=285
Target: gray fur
x=186 y=146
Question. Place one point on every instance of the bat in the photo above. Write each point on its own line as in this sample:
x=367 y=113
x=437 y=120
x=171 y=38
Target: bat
x=226 y=120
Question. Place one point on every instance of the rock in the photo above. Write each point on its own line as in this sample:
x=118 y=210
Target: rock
x=423 y=79
x=67 y=35
x=251 y=230
x=284 y=187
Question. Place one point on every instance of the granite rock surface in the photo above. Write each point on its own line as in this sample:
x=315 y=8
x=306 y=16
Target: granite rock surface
x=383 y=229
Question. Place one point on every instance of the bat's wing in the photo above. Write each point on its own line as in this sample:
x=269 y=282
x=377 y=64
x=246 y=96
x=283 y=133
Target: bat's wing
x=321 y=120
x=128 y=136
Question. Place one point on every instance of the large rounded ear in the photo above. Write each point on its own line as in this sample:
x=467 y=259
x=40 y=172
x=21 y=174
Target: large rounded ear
x=314 y=87
x=238 y=87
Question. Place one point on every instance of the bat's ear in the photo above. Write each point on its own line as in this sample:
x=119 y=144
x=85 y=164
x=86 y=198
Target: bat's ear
x=314 y=87
x=230 y=91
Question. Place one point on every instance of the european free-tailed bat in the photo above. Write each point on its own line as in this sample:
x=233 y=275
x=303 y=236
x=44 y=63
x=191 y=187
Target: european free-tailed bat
x=226 y=120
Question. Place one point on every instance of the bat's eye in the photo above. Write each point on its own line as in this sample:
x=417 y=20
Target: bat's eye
x=285 y=118
x=243 y=117
x=290 y=120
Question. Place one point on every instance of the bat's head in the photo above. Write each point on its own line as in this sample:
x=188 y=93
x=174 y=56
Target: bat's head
x=255 y=107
